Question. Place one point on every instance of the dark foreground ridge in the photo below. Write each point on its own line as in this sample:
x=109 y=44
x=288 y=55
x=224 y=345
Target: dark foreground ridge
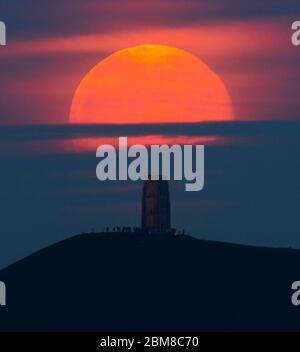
x=115 y=282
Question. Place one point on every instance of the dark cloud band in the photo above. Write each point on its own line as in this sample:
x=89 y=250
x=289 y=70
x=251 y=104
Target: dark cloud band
x=261 y=129
x=61 y=18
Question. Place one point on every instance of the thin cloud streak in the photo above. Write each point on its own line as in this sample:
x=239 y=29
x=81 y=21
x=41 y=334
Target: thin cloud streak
x=228 y=37
x=46 y=19
x=69 y=139
x=224 y=128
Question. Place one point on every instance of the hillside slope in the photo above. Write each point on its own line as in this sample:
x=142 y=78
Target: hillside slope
x=128 y=282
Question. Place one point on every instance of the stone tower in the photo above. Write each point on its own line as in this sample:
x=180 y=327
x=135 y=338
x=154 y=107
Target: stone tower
x=156 y=205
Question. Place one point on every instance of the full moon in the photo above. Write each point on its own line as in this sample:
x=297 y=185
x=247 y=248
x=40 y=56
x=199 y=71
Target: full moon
x=150 y=84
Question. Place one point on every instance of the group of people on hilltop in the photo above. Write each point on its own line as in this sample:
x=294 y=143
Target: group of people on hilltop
x=129 y=229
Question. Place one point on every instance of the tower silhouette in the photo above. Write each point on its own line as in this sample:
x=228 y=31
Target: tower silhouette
x=156 y=205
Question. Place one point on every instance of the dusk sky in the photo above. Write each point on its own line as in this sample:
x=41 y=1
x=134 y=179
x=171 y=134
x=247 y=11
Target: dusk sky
x=52 y=45
x=49 y=190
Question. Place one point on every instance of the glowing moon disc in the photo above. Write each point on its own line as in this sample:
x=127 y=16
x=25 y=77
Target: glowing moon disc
x=150 y=84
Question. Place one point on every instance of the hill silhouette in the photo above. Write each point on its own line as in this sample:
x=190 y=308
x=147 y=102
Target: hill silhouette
x=117 y=281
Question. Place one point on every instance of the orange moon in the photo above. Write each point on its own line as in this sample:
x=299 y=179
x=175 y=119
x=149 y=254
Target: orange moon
x=150 y=84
